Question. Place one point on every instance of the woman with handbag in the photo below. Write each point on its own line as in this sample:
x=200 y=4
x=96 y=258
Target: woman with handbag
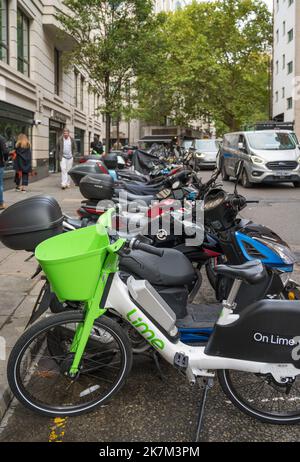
x=22 y=162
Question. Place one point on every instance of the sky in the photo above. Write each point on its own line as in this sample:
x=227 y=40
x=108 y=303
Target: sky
x=269 y=3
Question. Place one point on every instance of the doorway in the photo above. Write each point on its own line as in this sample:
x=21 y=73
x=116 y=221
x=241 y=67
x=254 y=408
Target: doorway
x=55 y=131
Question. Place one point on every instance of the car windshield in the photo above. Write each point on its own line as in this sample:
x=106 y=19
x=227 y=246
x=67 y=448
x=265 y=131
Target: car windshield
x=272 y=141
x=206 y=145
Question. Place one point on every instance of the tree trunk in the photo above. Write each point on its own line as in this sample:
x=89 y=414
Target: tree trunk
x=118 y=131
x=108 y=116
x=107 y=133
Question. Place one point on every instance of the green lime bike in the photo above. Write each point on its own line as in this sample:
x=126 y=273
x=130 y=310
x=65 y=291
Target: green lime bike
x=70 y=363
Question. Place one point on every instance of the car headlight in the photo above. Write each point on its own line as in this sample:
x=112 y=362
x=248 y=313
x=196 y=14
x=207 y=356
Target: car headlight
x=298 y=160
x=257 y=160
x=200 y=155
x=283 y=251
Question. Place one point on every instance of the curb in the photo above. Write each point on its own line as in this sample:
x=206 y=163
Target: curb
x=6 y=396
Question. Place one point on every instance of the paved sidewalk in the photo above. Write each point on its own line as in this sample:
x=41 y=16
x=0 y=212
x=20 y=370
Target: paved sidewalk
x=18 y=292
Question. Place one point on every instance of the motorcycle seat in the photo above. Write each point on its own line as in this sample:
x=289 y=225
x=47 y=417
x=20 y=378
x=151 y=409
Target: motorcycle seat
x=251 y=272
x=134 y=198
x=173 y=269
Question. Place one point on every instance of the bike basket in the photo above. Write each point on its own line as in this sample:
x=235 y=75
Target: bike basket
x=73 y=261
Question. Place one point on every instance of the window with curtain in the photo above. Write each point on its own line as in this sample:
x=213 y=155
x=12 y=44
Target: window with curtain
x=3 y=31
x=23 y=42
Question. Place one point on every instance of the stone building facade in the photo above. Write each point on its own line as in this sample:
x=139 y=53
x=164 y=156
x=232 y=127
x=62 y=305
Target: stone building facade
x=39 y=95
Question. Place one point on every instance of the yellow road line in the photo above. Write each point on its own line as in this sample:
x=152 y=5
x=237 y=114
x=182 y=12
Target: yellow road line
x=57 y=430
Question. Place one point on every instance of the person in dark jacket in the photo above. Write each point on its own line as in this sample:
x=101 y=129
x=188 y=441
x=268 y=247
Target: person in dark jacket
x=3 y=159
x=97 y=146
x=22 y=162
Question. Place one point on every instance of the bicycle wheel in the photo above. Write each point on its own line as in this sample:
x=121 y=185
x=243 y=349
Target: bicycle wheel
x=261 y=397
x=39 y=361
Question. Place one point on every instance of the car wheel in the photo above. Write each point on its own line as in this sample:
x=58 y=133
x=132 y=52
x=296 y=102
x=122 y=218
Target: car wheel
x=245 y=180
x=297 y=184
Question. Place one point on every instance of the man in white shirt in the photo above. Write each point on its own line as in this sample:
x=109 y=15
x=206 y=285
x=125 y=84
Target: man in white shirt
x=66 y=149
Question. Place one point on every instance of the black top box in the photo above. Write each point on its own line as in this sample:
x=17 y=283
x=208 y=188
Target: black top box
x=24 y=225
x=111 y=161
x=97 y=187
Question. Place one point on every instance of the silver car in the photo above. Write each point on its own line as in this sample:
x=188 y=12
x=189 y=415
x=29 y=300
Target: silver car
x=206 y=151
x=270 y=156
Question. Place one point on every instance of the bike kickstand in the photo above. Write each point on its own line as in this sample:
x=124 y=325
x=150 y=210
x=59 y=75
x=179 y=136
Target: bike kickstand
x=156 y=360
x=208 y=384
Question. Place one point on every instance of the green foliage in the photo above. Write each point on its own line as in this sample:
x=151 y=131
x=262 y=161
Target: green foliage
x=212 y=58
x=110 y=40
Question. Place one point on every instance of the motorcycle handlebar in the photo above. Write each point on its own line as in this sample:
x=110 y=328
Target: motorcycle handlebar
x=135 y=244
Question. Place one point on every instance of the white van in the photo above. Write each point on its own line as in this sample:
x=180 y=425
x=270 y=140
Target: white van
x=269 y=156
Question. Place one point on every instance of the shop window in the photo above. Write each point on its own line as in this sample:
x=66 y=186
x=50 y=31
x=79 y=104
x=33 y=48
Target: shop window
x=10 y=130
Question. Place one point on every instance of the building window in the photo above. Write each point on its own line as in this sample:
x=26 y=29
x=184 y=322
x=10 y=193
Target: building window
x=81 y=93
x=23 y=42
x=277 y=67
x=56 y=72
x=290 y=35
x=283 y=61
x=276 y=96
x=290 y=103
x=277 y=35
x=277 y=5
x=283 y=92
x=75 y=88
x=291 y=2
x=98 y=106
x=3 y=31
x=79 y=140
x=284 y=27
x=290 y=67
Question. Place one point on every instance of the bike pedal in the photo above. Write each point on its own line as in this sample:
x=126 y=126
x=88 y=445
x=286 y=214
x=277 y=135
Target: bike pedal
x=181 y=361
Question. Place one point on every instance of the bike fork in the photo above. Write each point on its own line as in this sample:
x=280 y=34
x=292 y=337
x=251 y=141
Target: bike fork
x=207 y=384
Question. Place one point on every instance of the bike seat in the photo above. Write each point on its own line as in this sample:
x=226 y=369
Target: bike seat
x=173 y=269
x=251 y=272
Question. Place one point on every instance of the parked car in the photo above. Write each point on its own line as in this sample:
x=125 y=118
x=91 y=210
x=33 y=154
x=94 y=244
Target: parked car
x=269 y=156
x=206 y=151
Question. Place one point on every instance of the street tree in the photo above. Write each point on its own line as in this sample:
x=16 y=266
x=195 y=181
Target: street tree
x=215 y=60
x=111 y=39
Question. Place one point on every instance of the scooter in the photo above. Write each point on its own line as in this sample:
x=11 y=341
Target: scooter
x=227 y=239
x=71 y=363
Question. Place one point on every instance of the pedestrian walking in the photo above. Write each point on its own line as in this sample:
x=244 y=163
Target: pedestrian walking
x=22 y=162
x=3 y=159
x=66 y=149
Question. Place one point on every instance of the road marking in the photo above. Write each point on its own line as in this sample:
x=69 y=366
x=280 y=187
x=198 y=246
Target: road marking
x=57 y=430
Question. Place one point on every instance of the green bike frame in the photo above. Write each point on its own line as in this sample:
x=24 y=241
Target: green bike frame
x=93 y=309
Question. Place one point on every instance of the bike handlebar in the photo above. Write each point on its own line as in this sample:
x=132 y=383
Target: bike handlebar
x=135 y=244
